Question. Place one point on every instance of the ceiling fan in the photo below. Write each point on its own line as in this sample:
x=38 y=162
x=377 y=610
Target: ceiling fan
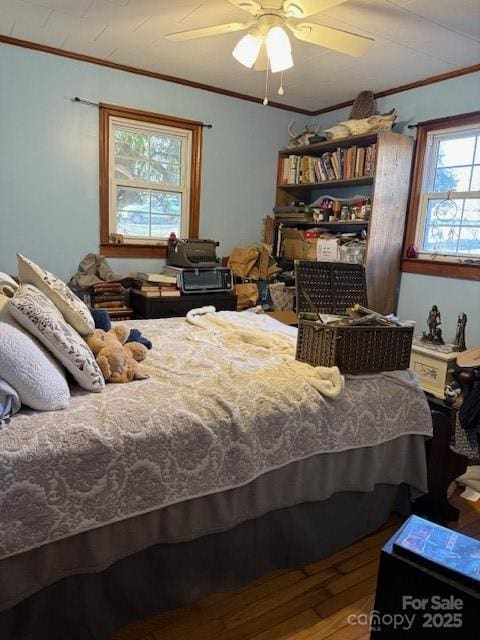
x=267 y=41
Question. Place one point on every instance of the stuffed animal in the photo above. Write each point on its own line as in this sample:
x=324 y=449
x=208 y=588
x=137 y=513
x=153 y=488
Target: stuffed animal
x=102 y=321
x=117 y=360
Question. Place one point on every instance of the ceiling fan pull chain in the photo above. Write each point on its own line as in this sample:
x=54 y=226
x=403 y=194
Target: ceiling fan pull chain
x=281 y=90
x=265 y=100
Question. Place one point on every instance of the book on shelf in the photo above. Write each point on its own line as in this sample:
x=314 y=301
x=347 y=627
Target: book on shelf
x=160 y=292
x=113 y=304
x=117 y=286
x=320 y=170
x=120 y=313
x=335 y=162
x=106 y=297
x=157 y=278
x=142 y=285
x=341 y=164
x=328 y=166
x=169 y=293
x=293 y=214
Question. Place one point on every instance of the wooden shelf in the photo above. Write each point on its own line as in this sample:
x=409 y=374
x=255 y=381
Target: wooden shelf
x=330 y=145
x=344 y=182
x=325 y=223
x=387 y=191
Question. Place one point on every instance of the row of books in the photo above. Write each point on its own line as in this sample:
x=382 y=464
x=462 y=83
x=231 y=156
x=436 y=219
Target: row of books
x=342 y=164
x=109 y=295
x=154 y=285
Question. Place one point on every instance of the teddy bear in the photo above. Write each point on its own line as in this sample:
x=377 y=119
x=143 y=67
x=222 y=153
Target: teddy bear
x=117 y=360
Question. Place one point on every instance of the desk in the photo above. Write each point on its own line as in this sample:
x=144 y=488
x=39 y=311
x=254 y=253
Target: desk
x=168 y=307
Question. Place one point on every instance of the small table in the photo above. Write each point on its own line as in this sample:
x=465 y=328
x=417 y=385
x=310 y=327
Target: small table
x=168 y=307
x=434 y=365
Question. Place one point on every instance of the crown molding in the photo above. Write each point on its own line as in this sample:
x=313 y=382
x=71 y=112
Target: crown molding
x=406 y=87
x=36 y=46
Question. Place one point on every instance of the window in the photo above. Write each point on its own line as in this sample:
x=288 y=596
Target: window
x=149 y=181
x=444 y=215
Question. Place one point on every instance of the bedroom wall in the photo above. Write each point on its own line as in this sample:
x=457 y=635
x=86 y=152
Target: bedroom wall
x=49 y=157
x=417 y=292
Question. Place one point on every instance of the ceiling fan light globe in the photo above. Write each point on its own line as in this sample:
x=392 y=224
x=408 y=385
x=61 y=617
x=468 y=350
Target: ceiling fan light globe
x=247 y=50
x=279 y=50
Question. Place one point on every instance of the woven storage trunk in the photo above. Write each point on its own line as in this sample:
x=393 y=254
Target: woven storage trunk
x=331 y=287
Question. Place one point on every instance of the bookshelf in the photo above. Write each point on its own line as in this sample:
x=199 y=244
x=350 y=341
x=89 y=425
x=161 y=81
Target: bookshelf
x=385 y=183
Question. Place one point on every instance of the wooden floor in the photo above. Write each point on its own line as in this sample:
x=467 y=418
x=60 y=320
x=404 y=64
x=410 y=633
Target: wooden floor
x=311 y=603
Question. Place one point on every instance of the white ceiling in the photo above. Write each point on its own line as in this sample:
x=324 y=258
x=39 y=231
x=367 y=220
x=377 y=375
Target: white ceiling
x=414 y=39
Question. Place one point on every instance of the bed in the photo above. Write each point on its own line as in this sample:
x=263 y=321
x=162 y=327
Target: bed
x=230 y=461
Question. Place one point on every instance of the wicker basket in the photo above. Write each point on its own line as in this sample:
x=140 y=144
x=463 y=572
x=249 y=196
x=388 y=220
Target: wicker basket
x=331 y=287
x=354 y=349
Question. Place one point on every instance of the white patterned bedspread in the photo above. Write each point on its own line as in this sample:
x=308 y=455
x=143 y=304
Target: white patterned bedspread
x=214 y=414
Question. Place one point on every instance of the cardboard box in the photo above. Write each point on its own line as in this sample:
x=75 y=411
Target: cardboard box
x=296 y=247
x=327 y=250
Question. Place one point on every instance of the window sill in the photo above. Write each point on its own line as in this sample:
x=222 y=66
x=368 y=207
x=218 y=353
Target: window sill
x=443 y=269
x=124 y=250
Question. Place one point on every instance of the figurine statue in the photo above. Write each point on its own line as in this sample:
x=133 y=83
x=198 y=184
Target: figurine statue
x=460 y=334
x=433 y=322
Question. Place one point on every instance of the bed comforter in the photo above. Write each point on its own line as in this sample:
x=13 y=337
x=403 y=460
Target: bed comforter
x=218 y=411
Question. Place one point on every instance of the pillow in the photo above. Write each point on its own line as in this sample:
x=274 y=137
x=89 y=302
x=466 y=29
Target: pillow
x=28 y=368
x=36 y=313
x=74 y=310
x=8 y=286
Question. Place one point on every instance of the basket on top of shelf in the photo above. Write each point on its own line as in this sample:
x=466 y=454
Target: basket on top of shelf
x=331 y=287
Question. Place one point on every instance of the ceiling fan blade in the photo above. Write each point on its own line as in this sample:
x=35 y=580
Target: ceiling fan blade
x=206 y=32
x=261 y=63
x=247 y=5
x=304 y=8
x=335 y=39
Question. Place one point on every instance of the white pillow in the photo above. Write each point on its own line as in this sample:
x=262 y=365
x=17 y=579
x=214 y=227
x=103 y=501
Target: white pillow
x=74 y=310
x=39 y=316
x=28 y=368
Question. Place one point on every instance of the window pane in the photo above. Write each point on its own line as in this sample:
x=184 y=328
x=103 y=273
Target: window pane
x=453 y=153
x=129 y=169
x=165 y=149
x=133 y=224
x=165 y=173
x=444 y=212
x=129 y=143
x=452 y=178
x=475 y=186
x=130 y=199
x=166 y=202
x=165 y=158
x=477 y=152
x=471 y=212
x=441 y=239
x=148 y=158
x=146 y=213
x=163 y=226
x=469 y=242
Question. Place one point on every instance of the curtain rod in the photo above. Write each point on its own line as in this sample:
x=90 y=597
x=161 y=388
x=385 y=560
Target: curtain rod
x=97 y=105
